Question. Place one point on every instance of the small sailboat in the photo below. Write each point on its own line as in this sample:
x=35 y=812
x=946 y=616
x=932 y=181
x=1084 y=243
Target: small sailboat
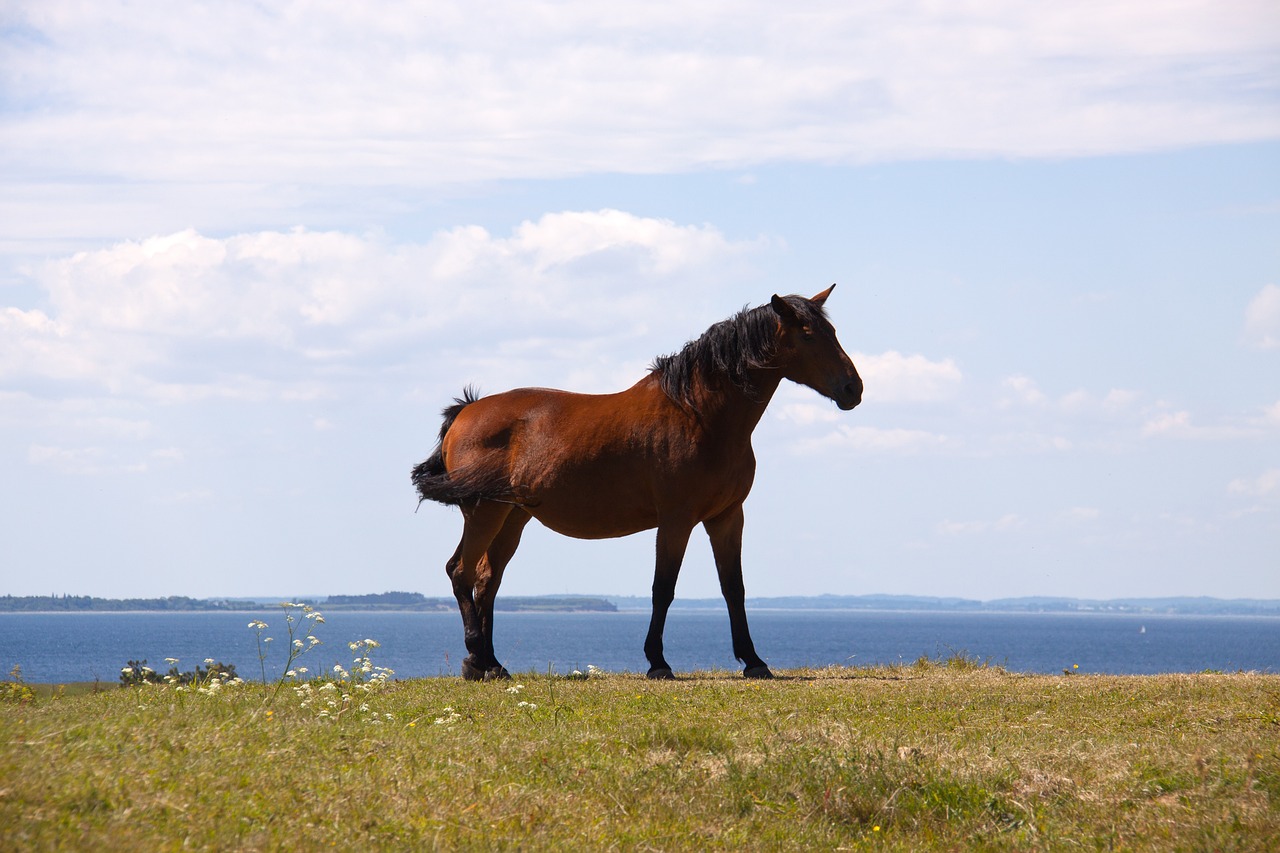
x=1142 y=630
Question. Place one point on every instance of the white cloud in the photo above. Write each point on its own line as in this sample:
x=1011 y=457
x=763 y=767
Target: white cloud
x=1010 y=521
x=187 y=316
x=1024 y=390
x=228 y=102
x=1262 y=319
x=1264 y=484
x=875 y=440
x=806 y=414
x=1178 y=425
x=80 y=460
x=892 y=377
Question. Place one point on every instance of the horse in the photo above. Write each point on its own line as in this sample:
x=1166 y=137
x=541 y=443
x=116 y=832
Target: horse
x=671 y=452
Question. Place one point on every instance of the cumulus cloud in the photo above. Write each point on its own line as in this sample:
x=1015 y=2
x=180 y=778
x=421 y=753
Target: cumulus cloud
x=1010 y=521
x=1262 y=319
x=892 y=377
x=279 y=313
x=865 y=439
x=1266 y=483
x=1023 y=390
x=1179 y=425
x=227 y=101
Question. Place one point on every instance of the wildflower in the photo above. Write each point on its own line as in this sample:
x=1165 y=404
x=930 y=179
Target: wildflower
x=171 y=661
x=529 y=705
x=592 y=669
x=293 y=673
x=314 y=641
x=297 y=644
x=515 y=688
x=126 y=670
x=208 y=661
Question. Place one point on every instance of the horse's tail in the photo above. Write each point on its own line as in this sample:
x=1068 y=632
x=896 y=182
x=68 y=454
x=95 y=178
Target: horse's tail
x=433 y=480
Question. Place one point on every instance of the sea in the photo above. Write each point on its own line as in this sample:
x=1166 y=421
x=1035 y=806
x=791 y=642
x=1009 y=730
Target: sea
x=77 y=647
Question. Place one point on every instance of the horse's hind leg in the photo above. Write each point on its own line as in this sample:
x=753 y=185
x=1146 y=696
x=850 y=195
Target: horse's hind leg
x=481 y=525
x=489 y=578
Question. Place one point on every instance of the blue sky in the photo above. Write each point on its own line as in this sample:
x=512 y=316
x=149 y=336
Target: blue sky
x=248 y=254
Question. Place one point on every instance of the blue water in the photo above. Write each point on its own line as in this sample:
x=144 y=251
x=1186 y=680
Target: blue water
x=62 y=647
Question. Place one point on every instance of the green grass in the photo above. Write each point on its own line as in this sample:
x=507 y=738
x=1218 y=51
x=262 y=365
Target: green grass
x=943 y=755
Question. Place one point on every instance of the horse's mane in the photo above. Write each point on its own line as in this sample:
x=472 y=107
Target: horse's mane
x=728 y=349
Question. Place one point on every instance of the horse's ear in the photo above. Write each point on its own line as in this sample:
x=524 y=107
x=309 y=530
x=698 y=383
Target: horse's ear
x=822 y=297
x=783 y=310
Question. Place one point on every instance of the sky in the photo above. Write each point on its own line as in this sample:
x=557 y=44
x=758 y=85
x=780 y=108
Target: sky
x=249 y=251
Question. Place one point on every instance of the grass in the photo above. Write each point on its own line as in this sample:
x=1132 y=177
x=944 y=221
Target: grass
x=936 y=755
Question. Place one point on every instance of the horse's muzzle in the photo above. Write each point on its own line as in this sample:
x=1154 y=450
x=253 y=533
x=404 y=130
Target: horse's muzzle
x=850 y=395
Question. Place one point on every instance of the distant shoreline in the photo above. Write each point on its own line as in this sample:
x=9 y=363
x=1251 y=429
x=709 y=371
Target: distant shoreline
x=417 y=603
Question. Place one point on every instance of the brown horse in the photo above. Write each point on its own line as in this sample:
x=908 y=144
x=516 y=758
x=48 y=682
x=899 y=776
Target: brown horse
x=672 y=452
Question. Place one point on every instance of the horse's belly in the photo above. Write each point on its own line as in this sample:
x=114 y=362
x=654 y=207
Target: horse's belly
x=594 y=522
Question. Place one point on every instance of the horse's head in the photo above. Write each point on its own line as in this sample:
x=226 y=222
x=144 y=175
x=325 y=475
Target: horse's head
x=809 y=353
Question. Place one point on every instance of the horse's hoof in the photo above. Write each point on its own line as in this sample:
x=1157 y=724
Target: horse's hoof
x=760 y=671
x=471 y=672
x=662 y=673
x=498 y=673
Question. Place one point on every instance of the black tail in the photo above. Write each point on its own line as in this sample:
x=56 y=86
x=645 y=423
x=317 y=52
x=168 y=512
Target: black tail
x=432 y=479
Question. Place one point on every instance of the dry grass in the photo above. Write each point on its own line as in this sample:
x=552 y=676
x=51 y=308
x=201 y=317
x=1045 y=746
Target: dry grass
x=935 y=755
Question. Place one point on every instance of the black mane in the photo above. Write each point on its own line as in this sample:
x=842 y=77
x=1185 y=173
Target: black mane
x=728 y=349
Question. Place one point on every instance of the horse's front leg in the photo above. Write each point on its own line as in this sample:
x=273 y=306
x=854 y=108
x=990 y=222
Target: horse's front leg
x=725 y=532
x=672 y=541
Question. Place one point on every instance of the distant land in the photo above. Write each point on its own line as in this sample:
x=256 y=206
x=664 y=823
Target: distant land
x=416 y=602
x=398 y=601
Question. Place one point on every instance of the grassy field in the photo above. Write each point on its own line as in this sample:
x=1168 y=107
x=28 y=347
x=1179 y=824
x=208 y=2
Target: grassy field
x=940 y=755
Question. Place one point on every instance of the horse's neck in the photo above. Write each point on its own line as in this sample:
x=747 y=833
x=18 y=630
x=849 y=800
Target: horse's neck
x=729 y=414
